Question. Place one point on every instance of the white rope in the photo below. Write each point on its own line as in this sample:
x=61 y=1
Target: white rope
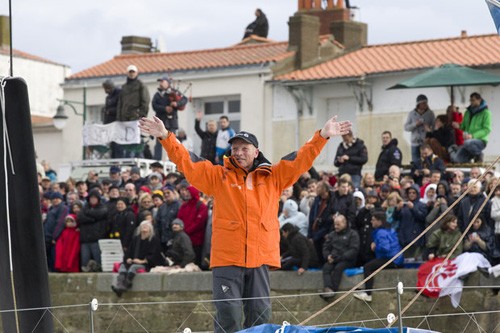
x=7 y=150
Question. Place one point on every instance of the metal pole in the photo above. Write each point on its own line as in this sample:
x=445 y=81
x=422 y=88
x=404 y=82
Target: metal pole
x=84 y=115
x=91 y=314
x=10 y=36
x=399 y=293
x=93 y=305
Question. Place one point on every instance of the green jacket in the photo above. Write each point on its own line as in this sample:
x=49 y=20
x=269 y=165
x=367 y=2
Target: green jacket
x=133 y=101
x=441 y=242
x=477 y=123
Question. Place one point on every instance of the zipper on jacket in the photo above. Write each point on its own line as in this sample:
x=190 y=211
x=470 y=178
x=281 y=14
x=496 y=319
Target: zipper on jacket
x=246 y=219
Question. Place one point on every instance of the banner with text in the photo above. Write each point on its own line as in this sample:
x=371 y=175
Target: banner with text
x=121 y=132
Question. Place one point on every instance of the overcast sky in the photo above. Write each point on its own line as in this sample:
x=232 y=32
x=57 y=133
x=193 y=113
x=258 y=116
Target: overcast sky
x=81 y=34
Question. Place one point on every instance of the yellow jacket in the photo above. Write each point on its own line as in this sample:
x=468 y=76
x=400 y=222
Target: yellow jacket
x=245 y=227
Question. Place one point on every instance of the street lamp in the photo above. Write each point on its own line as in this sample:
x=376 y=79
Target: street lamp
x=60 y=119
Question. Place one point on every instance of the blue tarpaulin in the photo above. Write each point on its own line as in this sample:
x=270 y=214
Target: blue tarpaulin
x=273 y=328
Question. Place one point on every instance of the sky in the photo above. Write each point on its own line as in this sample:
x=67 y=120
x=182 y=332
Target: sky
x=81 y=34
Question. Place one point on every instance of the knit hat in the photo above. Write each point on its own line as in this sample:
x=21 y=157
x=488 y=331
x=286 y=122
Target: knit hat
x=56 y=195
x=421 y=99
x=169 y=187
x=179 y=222
x=135 y=170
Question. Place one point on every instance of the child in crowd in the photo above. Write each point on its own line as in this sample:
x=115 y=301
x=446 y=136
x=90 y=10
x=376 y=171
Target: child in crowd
x=68 y=247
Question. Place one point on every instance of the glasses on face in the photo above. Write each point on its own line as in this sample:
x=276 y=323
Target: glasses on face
x=129 y=189
x=147 y=201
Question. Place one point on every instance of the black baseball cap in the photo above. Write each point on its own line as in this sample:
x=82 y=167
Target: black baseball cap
x=246 y=136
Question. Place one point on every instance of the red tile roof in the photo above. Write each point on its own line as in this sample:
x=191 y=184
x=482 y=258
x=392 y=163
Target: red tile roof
x=238 y=55
x=21 y=54
x=474 y=51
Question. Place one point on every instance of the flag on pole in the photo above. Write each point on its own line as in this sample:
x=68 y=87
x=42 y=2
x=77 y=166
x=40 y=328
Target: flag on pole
x=494 y=6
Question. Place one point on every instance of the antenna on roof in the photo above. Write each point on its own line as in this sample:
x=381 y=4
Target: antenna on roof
x=10 y=42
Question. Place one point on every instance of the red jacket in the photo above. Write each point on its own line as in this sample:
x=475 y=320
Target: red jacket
x=194 y=214
x=245 y=230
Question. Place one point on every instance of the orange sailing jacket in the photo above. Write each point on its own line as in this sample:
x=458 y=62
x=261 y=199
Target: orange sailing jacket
x=245 y=227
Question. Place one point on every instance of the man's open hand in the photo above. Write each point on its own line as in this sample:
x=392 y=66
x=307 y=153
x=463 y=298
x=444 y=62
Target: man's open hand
x=154 y=127
x=335 y=128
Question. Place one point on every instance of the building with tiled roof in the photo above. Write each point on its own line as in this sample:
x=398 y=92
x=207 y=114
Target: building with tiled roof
x=174 y=62
x=283 y=91
x=354 y=86
x=474 y=51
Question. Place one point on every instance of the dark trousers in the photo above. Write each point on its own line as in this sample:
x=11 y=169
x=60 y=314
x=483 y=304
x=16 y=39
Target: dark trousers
x=318 y=246
x=371 y=267
x=230 y=285
x=332 y=273
x=288 y=263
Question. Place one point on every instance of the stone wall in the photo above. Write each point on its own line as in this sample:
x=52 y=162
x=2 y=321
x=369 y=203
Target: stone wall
x=170 y=303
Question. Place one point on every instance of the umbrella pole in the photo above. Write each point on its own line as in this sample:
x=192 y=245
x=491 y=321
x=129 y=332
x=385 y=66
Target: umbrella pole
x=452 y=95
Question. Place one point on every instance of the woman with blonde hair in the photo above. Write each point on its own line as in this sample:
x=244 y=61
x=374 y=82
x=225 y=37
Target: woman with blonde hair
x=143 y=254
x=389 y=205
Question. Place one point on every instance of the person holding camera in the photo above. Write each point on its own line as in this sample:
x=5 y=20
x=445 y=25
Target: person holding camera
x=411 y=216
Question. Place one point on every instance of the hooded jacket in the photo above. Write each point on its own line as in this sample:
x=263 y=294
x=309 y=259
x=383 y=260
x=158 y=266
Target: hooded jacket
x=418 y=132
x=390 y=155
x=477 y=122
x=295 y=217
x=387 y=244
x=194 y=214
x=245 y=229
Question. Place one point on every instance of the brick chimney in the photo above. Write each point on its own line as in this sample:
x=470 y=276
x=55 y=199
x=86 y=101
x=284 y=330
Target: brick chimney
x=4 y=32
x=136 y=44
x=335 y=19
x=304 y=39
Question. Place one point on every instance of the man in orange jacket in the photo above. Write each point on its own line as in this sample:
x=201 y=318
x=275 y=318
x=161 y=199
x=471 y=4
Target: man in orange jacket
x=245 y=231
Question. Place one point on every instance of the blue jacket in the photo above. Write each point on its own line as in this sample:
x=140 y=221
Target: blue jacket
x=387 y=244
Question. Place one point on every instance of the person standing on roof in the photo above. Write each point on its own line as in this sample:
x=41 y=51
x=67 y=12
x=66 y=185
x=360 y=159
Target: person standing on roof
x=420 y=121
x=245 y=234
x=133 y=103
x=477 y=128
x=167 y=101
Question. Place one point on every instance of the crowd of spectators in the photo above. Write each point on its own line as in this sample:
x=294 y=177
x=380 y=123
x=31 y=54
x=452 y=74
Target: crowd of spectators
x=333 y=222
